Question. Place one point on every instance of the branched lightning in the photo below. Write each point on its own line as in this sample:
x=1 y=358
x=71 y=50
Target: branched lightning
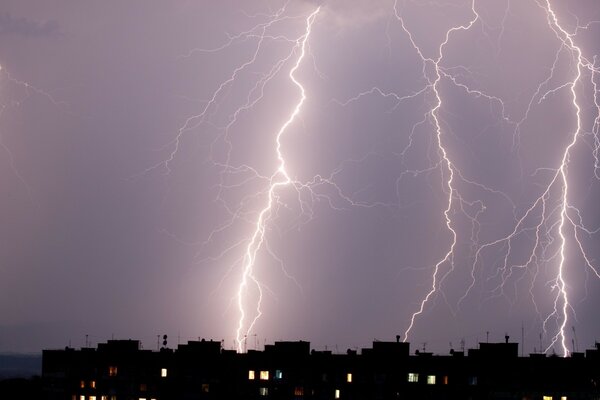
x=558 y=221
x=552 y=224
x=446 y=165
x=279 y=179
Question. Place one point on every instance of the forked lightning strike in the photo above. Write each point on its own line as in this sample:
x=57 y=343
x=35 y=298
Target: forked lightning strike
x=279 y=179
x=445 y=161
x=569 y=224
x=310 y=191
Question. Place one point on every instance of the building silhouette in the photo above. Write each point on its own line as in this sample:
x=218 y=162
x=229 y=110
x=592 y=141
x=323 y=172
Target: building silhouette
x=120 y=370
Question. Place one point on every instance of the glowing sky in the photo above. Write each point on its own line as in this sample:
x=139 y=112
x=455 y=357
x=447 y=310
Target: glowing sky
x=151 y=152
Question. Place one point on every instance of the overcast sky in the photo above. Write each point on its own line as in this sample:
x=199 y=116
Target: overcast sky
x=138 y=146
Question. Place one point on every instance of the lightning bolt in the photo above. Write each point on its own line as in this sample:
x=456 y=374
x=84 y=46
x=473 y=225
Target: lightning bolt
x=278 y=180
x=446 y=165
x=563 y=218
x=29 y=89
x=249 y=294
x=561 y=303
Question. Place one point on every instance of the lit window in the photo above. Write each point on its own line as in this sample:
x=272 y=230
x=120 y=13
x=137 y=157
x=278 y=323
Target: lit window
x=82 y=397
x=264 y=375
x=142 y=398
x=547 y=397
x=112 y=371
x=104 y=398
x=251 y=375
x=205 y=388
x=163 y=372
x=349 y=377
x=337 y=393
x=93 y=384
x=113 y=397
x=82 y=384
x=92 y=397
x=143 y=387
x=431 y=379
x=473 y=382
x=412 y=377
x=263 y=391
x=445 y=379
x=278 y=374
x=299 y=391
x=563 y=397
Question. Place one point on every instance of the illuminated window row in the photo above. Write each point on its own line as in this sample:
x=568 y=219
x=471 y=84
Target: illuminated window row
x=263 y=375
x=431 y=379
x=104 y=397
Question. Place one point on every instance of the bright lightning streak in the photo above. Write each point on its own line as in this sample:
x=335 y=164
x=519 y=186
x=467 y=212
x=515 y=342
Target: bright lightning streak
x=279 y=179
x=561 y=285
x=446 y=162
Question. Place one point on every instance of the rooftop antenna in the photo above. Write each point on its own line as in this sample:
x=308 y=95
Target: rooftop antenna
x=462 y=345
x=541 y=348
x=522 y=338
x=575 y=345
x=487 y=336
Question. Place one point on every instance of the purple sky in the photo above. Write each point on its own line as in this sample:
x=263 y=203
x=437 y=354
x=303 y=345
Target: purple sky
x=137 y=140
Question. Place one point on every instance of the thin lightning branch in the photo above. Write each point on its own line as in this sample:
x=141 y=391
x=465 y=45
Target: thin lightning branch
x=199 y=119
x=29 y=89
